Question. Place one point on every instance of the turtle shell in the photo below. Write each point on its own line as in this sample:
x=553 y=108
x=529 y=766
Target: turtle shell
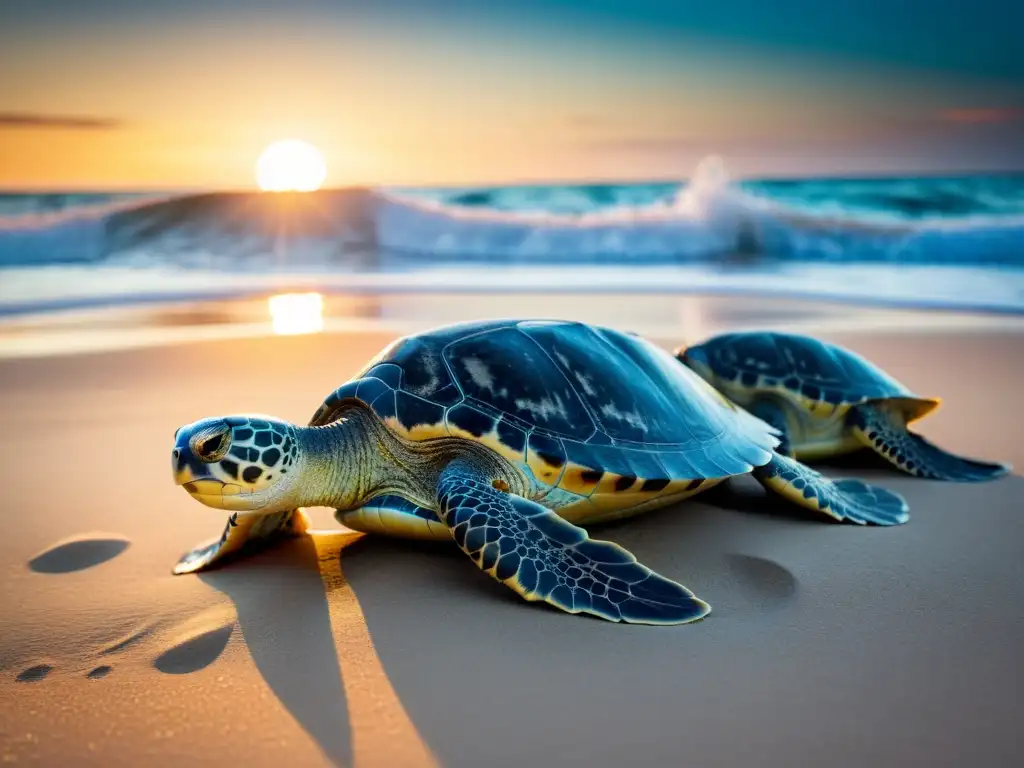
x=585 y=409
x=818 y=372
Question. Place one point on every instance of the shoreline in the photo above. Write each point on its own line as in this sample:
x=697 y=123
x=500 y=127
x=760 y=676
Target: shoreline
x=57 y=289
x=662 y=316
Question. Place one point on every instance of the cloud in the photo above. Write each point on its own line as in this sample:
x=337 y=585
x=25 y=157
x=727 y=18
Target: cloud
x=982 y=115
x=38 y=120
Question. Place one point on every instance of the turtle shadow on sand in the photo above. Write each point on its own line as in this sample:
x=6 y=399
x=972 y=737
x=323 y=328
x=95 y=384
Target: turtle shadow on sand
x=466 y=654
x=418 y=596
x=858 y=462
x=746 y=496
x=702 y=549
x=284 y=620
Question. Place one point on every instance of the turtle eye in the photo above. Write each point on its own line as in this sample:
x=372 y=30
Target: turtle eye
x=210 y=446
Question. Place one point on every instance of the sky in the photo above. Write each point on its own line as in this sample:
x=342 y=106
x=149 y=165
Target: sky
x=109 y=94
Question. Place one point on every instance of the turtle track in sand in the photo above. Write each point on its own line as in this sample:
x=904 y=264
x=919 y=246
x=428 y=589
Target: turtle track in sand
x=763 y=584
x=34 y=673
x=195 y=651
x=78 y=553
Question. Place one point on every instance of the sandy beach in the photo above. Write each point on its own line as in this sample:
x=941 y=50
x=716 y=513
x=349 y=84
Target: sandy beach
x=828 y=645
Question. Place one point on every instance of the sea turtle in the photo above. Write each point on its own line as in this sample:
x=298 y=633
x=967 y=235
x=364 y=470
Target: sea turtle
x=826 y=400
x=507 y=436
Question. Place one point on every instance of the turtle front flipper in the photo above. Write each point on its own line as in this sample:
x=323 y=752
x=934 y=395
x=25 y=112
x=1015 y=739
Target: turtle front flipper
x=884 y=430
x=535 y=552
x=852 y=500
x=244 y=532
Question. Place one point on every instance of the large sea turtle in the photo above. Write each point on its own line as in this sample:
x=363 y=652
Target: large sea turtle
x=826 y=400
x=506 y=437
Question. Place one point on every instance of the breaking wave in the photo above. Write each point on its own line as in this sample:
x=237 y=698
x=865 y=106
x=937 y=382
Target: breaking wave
x=710 y=224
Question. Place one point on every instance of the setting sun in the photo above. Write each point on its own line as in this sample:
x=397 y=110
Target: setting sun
x=290 y=165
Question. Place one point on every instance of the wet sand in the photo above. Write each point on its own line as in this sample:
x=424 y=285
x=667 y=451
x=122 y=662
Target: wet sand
x=828 y=645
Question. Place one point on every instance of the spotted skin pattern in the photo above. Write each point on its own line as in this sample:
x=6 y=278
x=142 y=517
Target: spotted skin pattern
x=545 y=558
x=852 y=500
x=261 y=451
x=269 y=451
x=884 y=431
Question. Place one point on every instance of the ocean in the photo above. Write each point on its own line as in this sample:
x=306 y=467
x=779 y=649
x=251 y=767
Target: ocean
x=954 y=242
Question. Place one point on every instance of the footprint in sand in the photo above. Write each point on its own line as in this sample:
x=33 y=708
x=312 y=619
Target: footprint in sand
x=34 y=674
x=194 y=652
x=99 y=672
x=78 y=553
x=763 y=584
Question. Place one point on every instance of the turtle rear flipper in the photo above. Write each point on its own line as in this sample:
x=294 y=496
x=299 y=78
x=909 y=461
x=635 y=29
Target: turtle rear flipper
x=852 y=500
x=541 y=556
x=244 y=532
x=883 y=429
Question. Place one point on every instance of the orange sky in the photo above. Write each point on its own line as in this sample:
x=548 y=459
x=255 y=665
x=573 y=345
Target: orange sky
x=190 y=102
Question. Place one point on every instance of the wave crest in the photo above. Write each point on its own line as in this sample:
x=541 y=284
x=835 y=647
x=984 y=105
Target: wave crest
x=710 y=220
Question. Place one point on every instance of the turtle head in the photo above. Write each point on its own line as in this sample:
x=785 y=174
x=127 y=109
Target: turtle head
x=697 y=359
x=238 y=463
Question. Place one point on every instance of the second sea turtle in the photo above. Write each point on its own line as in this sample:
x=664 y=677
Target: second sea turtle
x=826 y=400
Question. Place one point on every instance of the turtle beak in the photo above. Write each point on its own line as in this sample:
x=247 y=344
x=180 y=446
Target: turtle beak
x=185 y=467
x=696 y=359
x=180 y=468
x=214 y=493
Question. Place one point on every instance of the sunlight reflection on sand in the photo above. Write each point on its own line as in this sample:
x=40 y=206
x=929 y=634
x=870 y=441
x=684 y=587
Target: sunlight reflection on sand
x=295 y=313
x=382 y=732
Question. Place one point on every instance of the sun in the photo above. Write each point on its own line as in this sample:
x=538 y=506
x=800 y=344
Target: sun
x=290 y=165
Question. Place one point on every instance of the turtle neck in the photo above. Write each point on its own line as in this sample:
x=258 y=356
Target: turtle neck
x=349 y=462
